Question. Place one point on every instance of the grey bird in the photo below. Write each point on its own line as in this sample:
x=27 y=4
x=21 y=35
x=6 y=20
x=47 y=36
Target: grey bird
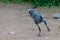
x=38 y=18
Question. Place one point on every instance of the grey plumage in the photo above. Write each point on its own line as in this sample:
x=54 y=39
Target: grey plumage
x=38 y=18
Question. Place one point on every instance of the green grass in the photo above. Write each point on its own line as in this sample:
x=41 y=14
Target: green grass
x=35 y=2
x=4 y=1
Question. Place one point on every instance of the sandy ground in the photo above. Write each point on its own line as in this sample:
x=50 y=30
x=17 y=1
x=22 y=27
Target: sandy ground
x=16 y=24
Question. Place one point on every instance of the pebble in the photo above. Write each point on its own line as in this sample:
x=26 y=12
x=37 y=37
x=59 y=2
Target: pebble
x=12 y=33
x=46 y=37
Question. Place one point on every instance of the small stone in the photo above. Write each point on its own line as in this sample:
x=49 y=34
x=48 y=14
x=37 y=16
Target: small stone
x=46 y=37
x=56 y=16
x=12 y=33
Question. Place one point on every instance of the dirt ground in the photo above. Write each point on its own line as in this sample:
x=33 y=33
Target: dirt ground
x=16 y=24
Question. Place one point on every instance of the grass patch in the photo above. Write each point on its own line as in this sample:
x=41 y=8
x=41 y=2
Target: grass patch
x=47 y=3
